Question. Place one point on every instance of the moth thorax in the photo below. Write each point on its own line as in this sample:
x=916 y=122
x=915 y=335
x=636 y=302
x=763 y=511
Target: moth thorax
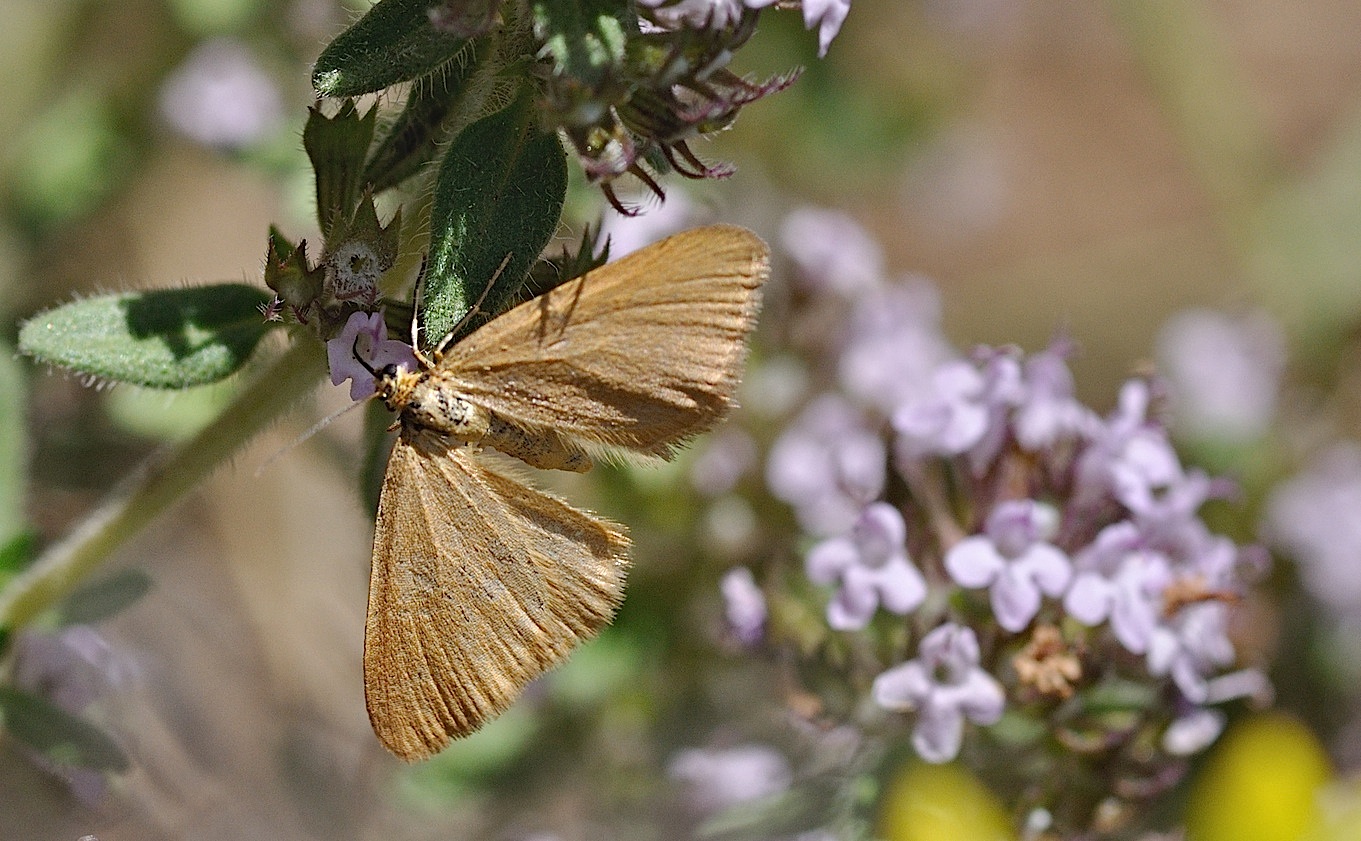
x=440 y=409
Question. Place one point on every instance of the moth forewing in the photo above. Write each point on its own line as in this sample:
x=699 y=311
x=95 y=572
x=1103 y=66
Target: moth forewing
x=479 y=584
x=639 y=354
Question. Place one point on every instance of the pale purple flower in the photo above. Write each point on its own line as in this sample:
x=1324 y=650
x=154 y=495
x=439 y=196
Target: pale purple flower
x=221 y=98
x=696 y=14
x=1014 y=559
x=1003 y=390
x=744 y=605
x=832 y=252
x=943 y=686
x=716 y=779
x=1224 y=372
x=72 y=668
x=945 y=420
x=870 y=567
x=1191 y=646
x=1111 y=439
x=1118 y=579
x=827 y=16
x=1316 y=518
x=828 y=465
x=364 y=342
x=894 y=345
x=627 y=234
x=1193 y=731
x=1047 y=411
x=728 y=455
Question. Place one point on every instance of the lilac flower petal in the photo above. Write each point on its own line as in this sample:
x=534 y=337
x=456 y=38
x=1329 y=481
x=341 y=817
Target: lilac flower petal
x=1047 y=566
x=1133 y=620
x=981 y=698
x=973 y=562
x=902 y=687
x=879 y=534
x=1015 y=600
x=854 y=604
x=901 y=587
x=939 y=732
x=829 y=559
x=1193 y=732
x=1090 y=598
x=744 y=605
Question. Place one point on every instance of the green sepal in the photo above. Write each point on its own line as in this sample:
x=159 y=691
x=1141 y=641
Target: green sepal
x=585 y=38
x=337 y=147
x=498 y=197
x=393 y=42
x=55 y=733
x=16 y=553
x=101 y=599
x=163 y=338
x=286 y=272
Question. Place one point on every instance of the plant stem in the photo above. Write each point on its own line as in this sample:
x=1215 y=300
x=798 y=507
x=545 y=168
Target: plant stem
x=158 y=483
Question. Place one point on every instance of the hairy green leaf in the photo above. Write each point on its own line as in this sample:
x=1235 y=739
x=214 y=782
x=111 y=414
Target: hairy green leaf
x=393 y=42
x=164 y=338
x=57 y=734
x=498 y=197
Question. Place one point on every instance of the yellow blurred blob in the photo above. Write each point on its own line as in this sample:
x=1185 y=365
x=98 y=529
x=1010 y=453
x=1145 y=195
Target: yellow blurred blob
x=1262 y=784
x=941 y=803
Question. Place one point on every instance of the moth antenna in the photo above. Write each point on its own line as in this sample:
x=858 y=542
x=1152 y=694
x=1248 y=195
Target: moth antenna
x=354 y=351
x=312 y=430
x=477 y=307
x=417 y=298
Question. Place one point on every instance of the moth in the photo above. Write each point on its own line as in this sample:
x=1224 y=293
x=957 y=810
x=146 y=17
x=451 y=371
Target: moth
x=481 y=582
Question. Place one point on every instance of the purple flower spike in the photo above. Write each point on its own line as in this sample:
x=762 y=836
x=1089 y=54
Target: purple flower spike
x=944 y=686
x=871 y=567
x=1014 y=559
x=365 y=334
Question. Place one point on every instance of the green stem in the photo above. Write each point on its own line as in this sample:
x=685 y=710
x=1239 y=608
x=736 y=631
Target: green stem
x=160 y=481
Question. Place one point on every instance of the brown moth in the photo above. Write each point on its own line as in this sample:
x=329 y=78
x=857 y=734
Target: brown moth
x=480 y=582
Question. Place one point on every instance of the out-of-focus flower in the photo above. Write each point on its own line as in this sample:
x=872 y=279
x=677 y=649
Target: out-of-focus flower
x=629 y=232
x=1192 y=646
x=73 y=669
x=832 y=252
x=744 y=605
x=1014 y=559
x=728 y=455
x=1224 y=372
x=1193 y=732
x=362 y=348
x=894 y=345
x=871 y=568
x=1120 y=580
x=943 y=686
x=827 y=16
x=1047 y=412
x=948 y=419
x=828 y=465
x=718 y=778
x=700 y=14
x=1316 y=518
x=221 y=98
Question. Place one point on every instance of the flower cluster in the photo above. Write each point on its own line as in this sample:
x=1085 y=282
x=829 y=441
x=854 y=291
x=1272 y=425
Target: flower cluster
x=1019 y=551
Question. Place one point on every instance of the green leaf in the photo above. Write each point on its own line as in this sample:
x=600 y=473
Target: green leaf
x=414 y=138
x=16 y=553
x=57 y=734
x=586 y=38
x=498 y=197
x=165 y=338
x=103 y=598
x=394 y=42
x=337 y=146
x=13 y=446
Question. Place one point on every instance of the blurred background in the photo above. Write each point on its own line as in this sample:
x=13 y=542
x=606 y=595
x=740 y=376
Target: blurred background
x=1053 y=166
